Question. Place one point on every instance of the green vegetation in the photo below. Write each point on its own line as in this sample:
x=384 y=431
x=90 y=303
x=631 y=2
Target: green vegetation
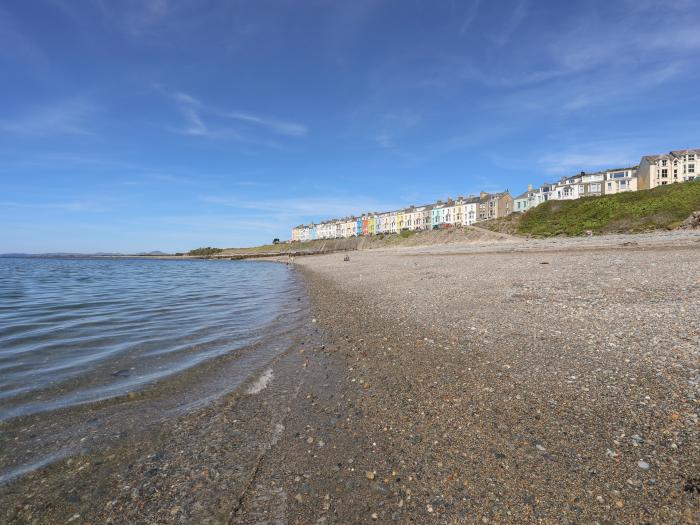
x=664 y=207
x=205 y=251
x=407 y=233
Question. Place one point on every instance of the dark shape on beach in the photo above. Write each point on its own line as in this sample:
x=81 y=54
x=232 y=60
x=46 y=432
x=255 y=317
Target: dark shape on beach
x=346 y=258
x=122 y=373
x=545 y=262
x=692 y=485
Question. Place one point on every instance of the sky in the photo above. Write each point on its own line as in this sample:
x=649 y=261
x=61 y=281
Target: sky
x=142 y=125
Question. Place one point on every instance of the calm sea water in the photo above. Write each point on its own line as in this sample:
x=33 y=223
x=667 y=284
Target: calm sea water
x=74 y=331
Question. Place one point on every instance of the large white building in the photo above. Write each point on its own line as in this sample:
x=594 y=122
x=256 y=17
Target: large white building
x=668 y=168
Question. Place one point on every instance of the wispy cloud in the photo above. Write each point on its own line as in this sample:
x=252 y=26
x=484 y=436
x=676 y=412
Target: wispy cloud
x=501 y=36
x=395 y=124
x=469 y=12
x=587 y=157
x=16 y=45
x=197 y=117
x=77 y=206
x=69 y=117
x=291 y=129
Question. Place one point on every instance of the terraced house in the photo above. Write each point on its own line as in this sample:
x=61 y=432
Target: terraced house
x=494 y=205
x=581 y=185
x=620 y=180
x=526 y=200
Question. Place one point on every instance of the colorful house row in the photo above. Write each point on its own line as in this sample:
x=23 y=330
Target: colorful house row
x=652 y=171
x=458 y=212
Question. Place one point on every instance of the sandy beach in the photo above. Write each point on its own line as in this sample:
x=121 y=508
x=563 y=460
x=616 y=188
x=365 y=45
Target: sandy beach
x=548 y=381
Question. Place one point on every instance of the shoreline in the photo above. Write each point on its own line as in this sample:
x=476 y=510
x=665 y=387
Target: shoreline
x=510 y=387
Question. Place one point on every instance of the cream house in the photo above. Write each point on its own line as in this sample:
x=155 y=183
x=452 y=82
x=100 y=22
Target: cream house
x=451 y=211
x=620 y=180
x=668 y=168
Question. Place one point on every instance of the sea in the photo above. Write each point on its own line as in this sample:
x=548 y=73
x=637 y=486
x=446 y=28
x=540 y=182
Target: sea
x=77 y=333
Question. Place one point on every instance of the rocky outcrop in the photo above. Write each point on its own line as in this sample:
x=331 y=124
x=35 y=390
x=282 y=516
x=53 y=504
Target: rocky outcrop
x=692 y=222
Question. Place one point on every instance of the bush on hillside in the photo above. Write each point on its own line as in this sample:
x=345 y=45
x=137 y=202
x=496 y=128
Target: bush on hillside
x=205 y=251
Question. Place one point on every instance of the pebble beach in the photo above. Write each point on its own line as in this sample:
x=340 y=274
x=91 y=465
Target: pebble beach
x=514 y=381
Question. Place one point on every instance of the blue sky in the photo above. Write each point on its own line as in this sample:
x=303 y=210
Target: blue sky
x=171 y=124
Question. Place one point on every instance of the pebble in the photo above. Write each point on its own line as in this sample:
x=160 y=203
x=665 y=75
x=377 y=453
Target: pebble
x=643 y=464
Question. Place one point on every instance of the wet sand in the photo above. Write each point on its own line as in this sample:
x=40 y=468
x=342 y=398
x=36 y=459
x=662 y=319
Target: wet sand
x=551 y=382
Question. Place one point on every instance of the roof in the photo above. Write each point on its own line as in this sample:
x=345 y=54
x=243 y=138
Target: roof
x=524 y=195
x=680 y=152
x=471 y=200
x=623 y=169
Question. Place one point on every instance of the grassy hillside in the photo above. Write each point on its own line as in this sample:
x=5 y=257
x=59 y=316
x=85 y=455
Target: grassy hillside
x=665 y=207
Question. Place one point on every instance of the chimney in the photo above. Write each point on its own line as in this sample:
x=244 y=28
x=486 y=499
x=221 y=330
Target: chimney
x=529 y=187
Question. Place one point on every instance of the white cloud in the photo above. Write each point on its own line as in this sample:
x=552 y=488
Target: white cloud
x=586 y=158
x=195 y=112
x=291 y=129
x=68 y=117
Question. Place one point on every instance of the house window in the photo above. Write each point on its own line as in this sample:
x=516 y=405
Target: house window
x=664 y=162
x=609 y=185
x=691 y=168
x=623 y=184
x=691 y=157
x=664 y=173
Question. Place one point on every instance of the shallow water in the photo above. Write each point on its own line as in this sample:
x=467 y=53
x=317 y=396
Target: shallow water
x=74 y=331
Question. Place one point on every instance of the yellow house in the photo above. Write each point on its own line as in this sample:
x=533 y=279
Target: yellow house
x=400 y=220
x=372 y=224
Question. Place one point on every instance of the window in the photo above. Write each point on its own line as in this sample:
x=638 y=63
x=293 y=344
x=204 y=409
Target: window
x=623 y=184
x=664 y=173
x=691 y=168
x=609 y=185
x=664 y=162
x=691 y=156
